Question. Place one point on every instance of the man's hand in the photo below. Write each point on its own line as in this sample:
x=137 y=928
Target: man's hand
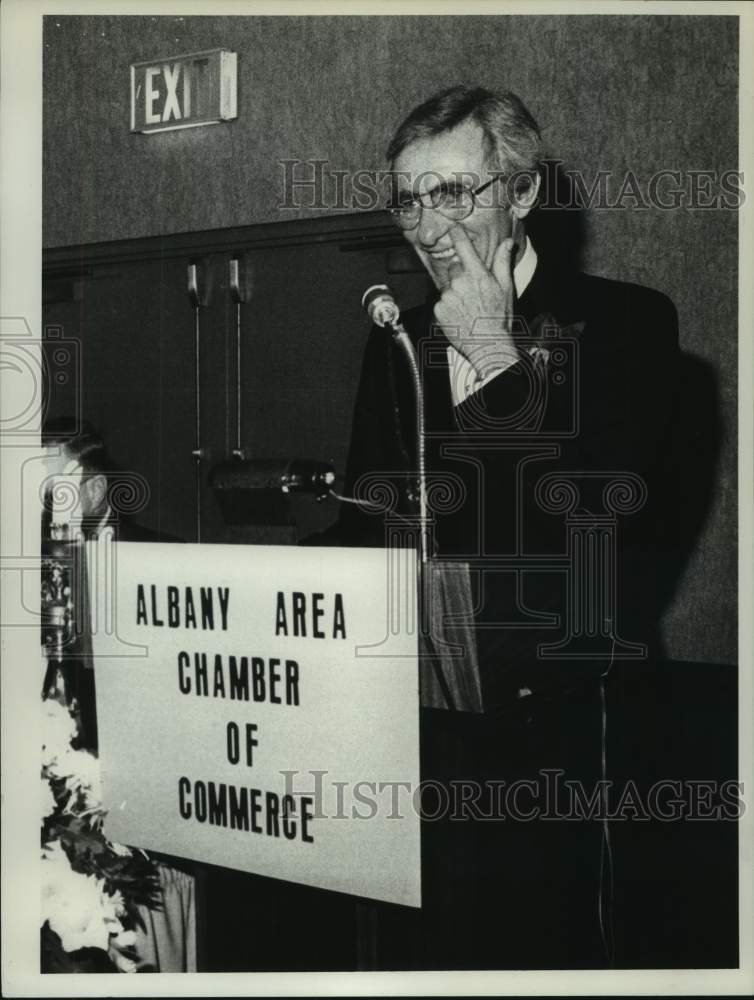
x=475 y=311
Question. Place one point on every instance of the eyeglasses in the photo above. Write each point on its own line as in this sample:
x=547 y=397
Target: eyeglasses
x=453 y=201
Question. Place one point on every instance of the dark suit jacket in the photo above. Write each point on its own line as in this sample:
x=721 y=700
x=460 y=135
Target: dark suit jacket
x=600 y=412
x=597 y=416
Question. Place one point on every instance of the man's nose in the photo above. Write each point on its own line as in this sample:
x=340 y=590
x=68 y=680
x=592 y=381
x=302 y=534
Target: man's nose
x=433 y=225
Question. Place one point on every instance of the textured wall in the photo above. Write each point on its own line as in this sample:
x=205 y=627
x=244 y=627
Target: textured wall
x=611 y=93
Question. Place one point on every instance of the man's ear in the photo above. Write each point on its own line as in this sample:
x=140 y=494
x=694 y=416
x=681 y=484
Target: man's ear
x=94 y=489
x=523 y=192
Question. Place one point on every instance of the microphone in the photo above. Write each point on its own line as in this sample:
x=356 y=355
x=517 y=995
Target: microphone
x=296 y=475
x=383 y=310
x=379 y=302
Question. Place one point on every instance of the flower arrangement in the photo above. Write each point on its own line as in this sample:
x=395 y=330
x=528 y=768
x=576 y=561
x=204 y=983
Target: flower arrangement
x=91 y=887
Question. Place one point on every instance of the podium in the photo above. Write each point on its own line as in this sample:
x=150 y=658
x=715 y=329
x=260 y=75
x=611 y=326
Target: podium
x=170 y=660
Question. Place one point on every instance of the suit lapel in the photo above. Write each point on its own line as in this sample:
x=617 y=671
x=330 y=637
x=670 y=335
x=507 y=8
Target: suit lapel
x=432 y=350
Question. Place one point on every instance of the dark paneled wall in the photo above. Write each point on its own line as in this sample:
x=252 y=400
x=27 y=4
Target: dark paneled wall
x=611 y=93
x=302 y=333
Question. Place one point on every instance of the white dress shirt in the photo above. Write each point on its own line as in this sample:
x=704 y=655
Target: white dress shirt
x=464 y=379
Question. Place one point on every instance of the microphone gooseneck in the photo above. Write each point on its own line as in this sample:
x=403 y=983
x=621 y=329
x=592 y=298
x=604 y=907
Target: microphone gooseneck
x=381 y=307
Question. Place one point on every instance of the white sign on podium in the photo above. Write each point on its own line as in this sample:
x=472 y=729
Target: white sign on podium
x=258 y=709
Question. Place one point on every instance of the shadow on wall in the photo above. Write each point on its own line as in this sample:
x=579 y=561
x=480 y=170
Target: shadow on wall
x=694 y=463
x=557 y=225
x=692 y=471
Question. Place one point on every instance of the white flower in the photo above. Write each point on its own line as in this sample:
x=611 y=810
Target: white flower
x=58 y=729
x=118 y=944
x=47 y=799
x=90 y=933
x=126 y=939
x=57 y=860
x=69 y=901
x=122 y=962
x=62 y=763
x=116 y=906
x=81 y=770
x=76 y=906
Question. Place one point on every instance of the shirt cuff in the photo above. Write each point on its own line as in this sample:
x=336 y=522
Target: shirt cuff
x=479 y=383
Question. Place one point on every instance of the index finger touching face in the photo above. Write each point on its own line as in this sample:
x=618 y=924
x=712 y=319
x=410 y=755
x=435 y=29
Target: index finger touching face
x=465 y=249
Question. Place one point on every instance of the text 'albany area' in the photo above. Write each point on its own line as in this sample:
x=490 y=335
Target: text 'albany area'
x=316 y=616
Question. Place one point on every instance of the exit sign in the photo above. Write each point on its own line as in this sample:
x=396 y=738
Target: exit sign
x=183 y=91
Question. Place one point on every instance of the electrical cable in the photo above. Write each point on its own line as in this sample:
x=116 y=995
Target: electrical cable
x=197 y=403
x=359 y=503
x=606 y=876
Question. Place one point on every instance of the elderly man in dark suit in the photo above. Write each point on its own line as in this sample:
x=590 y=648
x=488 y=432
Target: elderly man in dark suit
x=547 y=391
x=549 y=399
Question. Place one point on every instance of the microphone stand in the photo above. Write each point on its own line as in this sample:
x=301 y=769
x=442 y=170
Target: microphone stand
x=402 y=338
x=381 y=307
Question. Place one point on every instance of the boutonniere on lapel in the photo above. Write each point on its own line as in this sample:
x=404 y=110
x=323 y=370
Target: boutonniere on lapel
x=546 y=349
x=543 y=335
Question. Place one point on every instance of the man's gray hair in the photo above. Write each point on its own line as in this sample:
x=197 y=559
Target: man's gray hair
x=511 y=135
